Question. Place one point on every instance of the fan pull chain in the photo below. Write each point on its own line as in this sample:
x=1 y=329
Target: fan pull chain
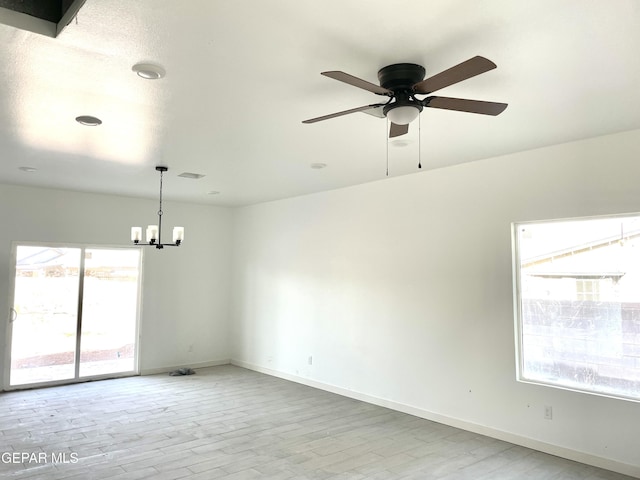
x=419 y=141
x=387 y=137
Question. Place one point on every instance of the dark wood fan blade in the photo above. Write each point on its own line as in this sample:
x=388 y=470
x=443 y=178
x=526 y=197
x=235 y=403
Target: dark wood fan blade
x=472 y=67
x=463 y=105
x=357 y=82
x=376 y=111
x=345 y=112
x=397 y=130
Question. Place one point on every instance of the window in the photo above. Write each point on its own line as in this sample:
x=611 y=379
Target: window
x=578 y=304
x=588 y=289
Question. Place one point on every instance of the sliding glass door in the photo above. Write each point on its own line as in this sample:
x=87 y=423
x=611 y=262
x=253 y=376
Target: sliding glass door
x=75 y=313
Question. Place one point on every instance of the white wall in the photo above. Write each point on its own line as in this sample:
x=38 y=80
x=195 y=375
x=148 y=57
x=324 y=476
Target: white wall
x=185 y=297
x=401 y=290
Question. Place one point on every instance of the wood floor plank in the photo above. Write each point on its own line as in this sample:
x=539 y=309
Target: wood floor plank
x=228 y=422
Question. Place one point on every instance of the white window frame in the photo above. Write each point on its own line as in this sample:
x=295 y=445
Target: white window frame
x=518 y=313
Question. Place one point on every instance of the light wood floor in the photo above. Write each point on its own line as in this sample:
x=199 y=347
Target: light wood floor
x=228 y=422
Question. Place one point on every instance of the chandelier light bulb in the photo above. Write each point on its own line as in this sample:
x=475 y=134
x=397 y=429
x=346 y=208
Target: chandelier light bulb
x=152 y=233
x=178 y=235
x=136 y=234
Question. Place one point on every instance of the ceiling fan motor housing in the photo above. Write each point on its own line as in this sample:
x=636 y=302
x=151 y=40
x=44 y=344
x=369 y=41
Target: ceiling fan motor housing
x=400 y=79
x=401 y=76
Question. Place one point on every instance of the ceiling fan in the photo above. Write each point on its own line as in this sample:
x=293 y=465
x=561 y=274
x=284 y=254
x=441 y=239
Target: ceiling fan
x=401 y=82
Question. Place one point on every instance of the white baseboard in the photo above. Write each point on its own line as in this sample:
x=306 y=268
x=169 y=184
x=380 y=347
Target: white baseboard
x=159 y=370
x=588 y=459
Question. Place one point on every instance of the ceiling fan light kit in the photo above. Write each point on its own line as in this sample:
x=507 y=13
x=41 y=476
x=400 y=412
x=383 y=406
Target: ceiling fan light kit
x=401 y=82
x=154 y=232
x=403 y=114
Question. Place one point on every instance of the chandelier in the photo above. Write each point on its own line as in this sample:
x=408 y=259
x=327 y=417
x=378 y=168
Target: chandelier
x=154 y=232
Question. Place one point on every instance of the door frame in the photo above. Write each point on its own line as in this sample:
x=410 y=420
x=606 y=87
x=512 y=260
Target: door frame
x=6 y=386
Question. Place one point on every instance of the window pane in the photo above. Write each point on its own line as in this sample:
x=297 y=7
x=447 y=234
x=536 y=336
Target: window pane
x=109 y=311
x=579 y=299
x=43 y=339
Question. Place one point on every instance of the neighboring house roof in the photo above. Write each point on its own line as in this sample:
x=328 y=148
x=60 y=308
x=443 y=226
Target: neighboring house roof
x=46 y=256
x=581 y=248
x=580 y=275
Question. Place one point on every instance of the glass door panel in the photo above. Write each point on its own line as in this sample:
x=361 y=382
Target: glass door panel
x=109 y=311
x=44 y=317
x=74 y=314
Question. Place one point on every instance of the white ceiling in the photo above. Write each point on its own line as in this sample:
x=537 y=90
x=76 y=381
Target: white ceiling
x=243 y=74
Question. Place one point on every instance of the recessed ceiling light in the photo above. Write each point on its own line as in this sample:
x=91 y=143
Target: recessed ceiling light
x=318 y=166
x=149 y=71
x=88 y=120
x=28 y=169
x=194 y=176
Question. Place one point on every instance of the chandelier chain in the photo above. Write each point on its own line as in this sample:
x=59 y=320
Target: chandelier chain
x=160 y=211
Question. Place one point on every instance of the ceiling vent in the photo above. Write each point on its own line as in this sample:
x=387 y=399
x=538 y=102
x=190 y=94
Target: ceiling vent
x=193 y=176
x=46 y=17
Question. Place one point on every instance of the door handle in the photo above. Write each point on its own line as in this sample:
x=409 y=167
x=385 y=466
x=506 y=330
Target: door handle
x=13 y=315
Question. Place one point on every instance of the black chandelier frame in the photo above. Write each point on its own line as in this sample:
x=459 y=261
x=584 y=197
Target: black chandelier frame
x=153 y=242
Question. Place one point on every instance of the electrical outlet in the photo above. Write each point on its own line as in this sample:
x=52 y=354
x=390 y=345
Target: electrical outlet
x=548 y=412
x=191 y=348
x=310 y=360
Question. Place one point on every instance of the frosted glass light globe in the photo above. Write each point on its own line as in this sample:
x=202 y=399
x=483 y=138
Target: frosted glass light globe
x=403 y=115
